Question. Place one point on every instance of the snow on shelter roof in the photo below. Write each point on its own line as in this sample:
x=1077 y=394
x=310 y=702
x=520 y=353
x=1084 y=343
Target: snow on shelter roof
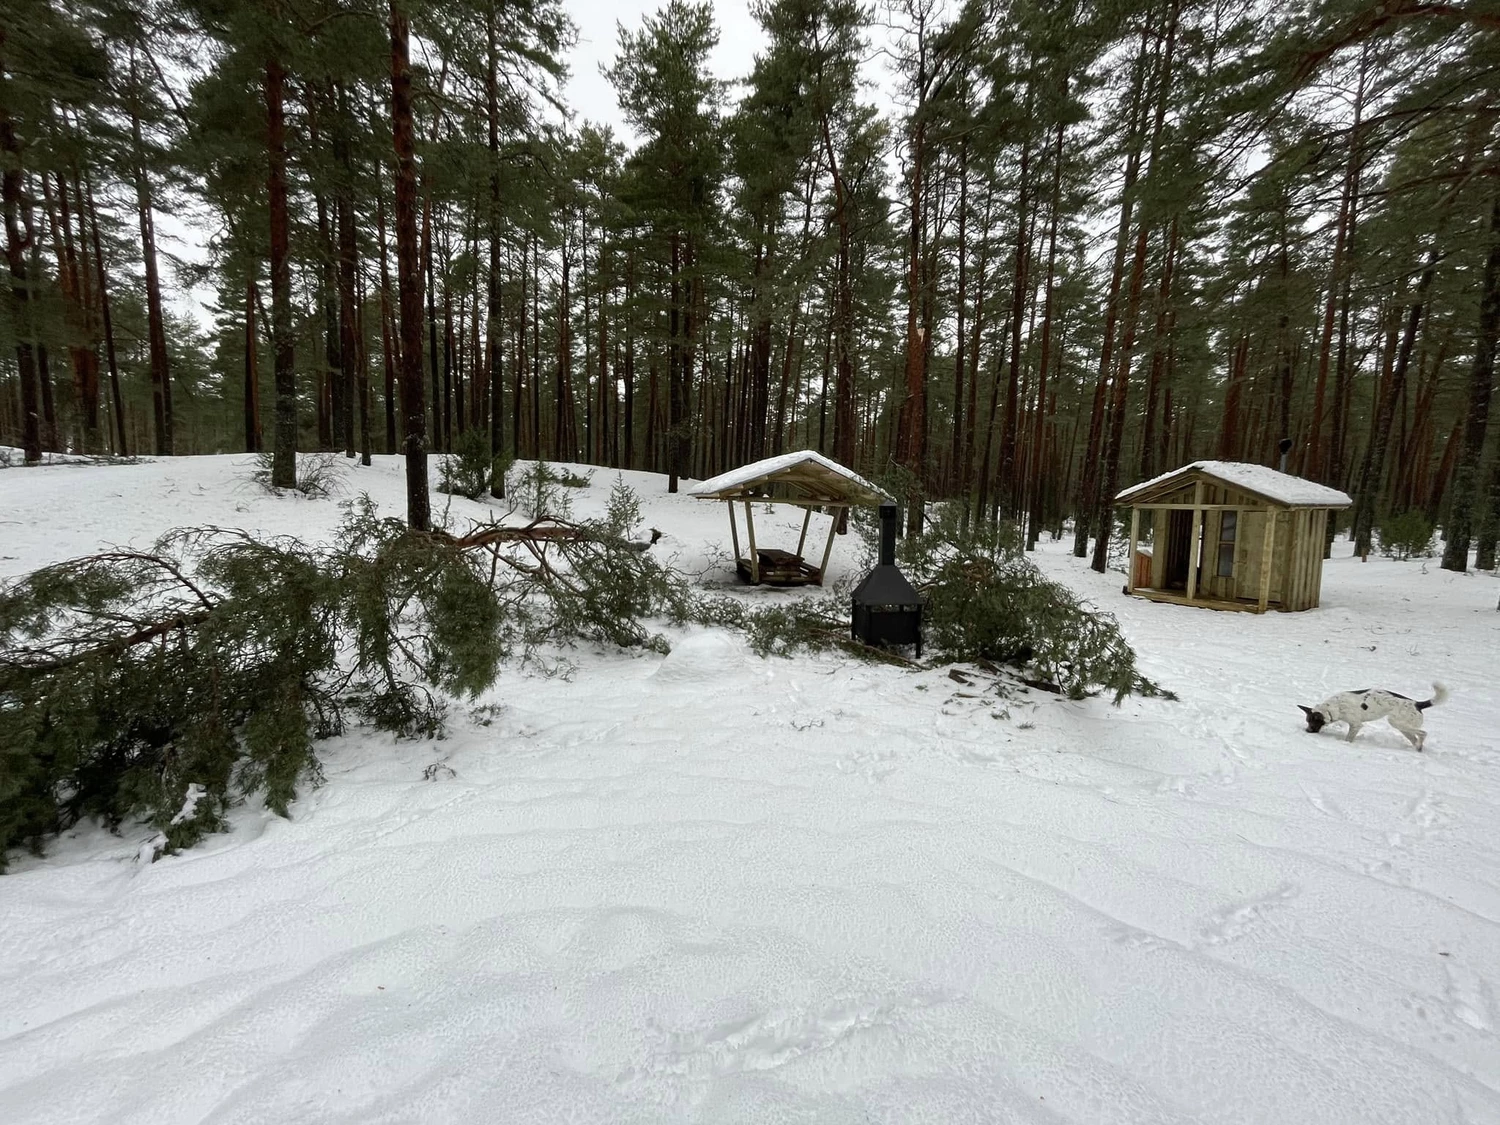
x=1279 y=488
x=806 y=472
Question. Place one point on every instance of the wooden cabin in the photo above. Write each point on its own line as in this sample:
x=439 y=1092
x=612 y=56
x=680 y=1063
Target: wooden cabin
x=1229 y=535
x=805 y=479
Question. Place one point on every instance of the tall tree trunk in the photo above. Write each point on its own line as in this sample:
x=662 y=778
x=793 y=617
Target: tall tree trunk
x=331 y=386
x=408 y=276
x=348 y=264
x=1112 y=451
x=1034 y=503
x=912 y=422
x=1090 y=494
x=161 y=379
x=1465 y=499
x=1160 y=344
x=955 y=444
x=493 y=339
x=439 y=437
x=971 y=408
x=674 y=360
x=122 y=444
x=252 y=375
x=1020 y=291
x=1489 y=523
x=17 y=243
x=284 y=458
x=389 y=336
x=628 y=425
x=1313 y=459
x=1372 y=474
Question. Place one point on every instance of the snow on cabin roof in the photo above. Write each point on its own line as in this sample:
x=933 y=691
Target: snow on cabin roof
x=806 y=469
x=1277 y=487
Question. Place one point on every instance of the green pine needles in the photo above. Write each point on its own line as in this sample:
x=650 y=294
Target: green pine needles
x=165 y=685
x=987 y=601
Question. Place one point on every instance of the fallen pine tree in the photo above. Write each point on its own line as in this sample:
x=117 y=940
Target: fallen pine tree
x=166 y=684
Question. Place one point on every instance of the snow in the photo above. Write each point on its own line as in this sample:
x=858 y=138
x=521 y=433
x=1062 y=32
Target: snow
x=712 y=888
x=1280 y=488
x=759 y=470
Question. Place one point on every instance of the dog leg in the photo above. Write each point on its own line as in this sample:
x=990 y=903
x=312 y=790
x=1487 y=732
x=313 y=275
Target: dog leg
x=1414 y=737
x=1353 y=730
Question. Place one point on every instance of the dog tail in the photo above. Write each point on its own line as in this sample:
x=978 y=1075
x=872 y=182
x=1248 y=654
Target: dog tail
x=1439 y=694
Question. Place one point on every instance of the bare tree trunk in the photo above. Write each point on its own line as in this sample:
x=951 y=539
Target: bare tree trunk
x=161 y=379
x=955 y=444
x=122 y=446
x=1313 y=460
x=1465 y=498
x=1005 y=483
x=17 y=243
x=252 y=376
x=1034 y=503
x=284 y=458
x=493 y=312
x=1090 y=494
x=1373 y=471
x=408 y=276
x=389 y=337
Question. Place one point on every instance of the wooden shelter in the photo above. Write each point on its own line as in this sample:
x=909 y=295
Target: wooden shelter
x=805 y=479
x=1230 y=535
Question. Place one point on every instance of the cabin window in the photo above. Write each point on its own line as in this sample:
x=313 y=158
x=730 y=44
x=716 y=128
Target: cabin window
x=1228 y=525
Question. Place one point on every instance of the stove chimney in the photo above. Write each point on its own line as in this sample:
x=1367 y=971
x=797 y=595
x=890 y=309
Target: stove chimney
x=889 y=513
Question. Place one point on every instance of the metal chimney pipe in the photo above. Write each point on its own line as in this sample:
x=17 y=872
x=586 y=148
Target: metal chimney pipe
x=888 y=516
x=1285 y=445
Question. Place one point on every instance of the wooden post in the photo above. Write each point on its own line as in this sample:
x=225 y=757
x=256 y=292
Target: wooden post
x=833 y=526
x=1135 y=531
x=801 y=539
x=1267 y=555
x=1195 y=549
x=734 y=533
x=754 y=555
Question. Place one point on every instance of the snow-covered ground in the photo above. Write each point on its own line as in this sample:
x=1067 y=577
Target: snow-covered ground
x=712 y=888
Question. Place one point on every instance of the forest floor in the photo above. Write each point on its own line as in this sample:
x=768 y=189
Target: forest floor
x=713 y=888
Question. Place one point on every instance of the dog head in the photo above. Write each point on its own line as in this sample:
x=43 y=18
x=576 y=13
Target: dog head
x=1315 y=719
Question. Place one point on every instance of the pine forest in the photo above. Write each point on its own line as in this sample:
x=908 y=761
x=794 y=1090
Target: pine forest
x=1060 y=247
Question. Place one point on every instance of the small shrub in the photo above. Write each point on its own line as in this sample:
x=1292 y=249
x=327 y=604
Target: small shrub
x=541 y=490
x=318 y=474
x=469 y=469
x=1405 y=536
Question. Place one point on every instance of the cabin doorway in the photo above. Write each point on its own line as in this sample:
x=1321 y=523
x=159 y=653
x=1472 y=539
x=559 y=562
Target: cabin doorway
x=1179 y=549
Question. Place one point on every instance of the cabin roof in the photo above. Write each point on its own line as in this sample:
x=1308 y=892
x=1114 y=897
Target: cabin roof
x=810 y=476
x=1280 y=489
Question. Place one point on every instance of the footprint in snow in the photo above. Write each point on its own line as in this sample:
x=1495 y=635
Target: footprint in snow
x=1235 y=921
x=1471 y=1001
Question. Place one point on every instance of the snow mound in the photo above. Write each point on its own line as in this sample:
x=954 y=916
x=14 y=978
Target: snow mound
x=708 y=657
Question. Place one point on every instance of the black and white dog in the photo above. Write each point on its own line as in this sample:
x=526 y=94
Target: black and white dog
x=1365 y=706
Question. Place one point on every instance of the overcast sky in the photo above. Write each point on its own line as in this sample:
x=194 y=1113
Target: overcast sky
x=589 y=93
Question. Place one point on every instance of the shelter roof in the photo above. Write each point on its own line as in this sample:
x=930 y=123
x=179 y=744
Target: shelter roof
x=806 y=475
x=1281 y=489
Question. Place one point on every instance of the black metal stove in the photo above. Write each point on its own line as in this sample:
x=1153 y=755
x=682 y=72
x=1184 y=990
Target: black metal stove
x=887 y=609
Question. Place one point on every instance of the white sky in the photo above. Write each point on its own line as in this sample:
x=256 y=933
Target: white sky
x=589 y=93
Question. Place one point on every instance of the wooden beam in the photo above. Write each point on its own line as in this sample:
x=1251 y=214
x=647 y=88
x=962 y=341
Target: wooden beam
x=1195 y=544
x=1267 y=556
x=801 y=539
x=1212 y=507
x=1135 y=532
x=833 y=525
x=754 y=554
x=734 y=532
x=1198 y=603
